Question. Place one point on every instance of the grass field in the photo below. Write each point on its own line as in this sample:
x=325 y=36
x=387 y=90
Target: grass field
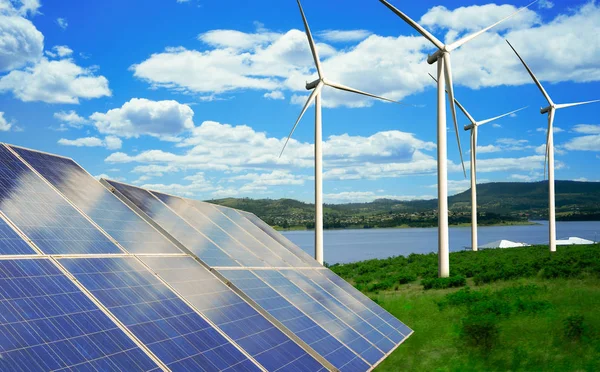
x=544 y=316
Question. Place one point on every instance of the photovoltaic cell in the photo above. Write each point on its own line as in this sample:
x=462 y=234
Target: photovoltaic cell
x=227 y=236
x=332 y=304
x=253 y=286
x=214 y=211
x=297 y=322
x=354 y=305
x=11 y=242
x=43 y=215
x=47 y=323
x=175 y=225
x=281 y=239
x=255 y=334
x=358 y=295
x=112 y=215
x=172 y=330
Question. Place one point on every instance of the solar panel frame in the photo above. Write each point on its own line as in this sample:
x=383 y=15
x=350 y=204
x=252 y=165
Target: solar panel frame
x=45 y=216
x=236 y=317
x=132 y=233
x=171 y=328
x=43 y=293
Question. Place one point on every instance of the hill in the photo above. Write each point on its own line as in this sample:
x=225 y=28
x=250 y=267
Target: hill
x=498 y=203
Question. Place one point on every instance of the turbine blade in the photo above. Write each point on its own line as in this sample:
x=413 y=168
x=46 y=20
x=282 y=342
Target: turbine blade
x=472 y=36
x=311 y=41
x=464 y=110
x=500 y=116
x=352 y=90
x=550 y=119
x=450 y=90
x=565 y=105
x=313 y=94
x=474 y=165
x=537 y=82
x=414 y=25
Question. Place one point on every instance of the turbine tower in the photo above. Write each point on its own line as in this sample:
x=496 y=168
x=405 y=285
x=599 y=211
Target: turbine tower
x=549 y=157
x=444 y=77
x=316 y=87
x=473 y=127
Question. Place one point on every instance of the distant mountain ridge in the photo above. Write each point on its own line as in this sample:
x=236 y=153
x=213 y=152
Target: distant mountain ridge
x=574 y=200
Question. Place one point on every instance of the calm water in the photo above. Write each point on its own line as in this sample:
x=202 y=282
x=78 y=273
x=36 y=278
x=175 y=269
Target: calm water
x=358 y=245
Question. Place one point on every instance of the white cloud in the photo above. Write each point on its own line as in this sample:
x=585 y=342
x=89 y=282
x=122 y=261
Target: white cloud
x=140 y=116
x=59 y=51
x=71 y=118
x=555 y=130
x=545 y=4
x=198 y=184
x=4 y=124
x=496 y=125
x=560 y=150
x=20 y=41
x=262 y=181
x=62 y=23
x=340 y=36
x=524 y=178
x=584 y=143
x=488 y=149
x=368 y=196
x=110 y=142
x=55 y=82
x=276 y=94
x=587 y=128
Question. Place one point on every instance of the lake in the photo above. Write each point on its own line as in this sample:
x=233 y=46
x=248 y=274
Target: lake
x=356 y=245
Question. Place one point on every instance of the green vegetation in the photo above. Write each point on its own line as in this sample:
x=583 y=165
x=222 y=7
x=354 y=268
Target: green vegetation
x=535 y=311
x=501 y=203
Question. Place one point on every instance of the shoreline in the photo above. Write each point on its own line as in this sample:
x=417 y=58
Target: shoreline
x=514 y=223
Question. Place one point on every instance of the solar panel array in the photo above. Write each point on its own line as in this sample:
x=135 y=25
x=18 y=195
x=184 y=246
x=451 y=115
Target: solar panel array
x=109 y=276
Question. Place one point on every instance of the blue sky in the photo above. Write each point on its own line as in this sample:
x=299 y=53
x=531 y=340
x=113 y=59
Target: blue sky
x=196 y=97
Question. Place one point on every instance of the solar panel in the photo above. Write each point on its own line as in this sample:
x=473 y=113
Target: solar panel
x=112 y=215
x=11 y=242
x=358 y=295
x=47 y=323
x=224 y=233
x=348 y=316
x=197 y=243
x=249 y=329
x=214 y=211
x=280 y=239
x=356 y=306
x=43 y=215
x=271 y=279
x=172 y=330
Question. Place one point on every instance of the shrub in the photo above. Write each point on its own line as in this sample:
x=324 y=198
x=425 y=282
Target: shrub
x=492 y=306
x=574 y=327
x=480 y=331
x=531 y=306
x=442 y=283
x=463 y=297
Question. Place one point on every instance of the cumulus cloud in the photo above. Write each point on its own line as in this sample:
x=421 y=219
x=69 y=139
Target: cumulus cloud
x=55 y=82
x=20 y=41
x=62 y=23
x=554 y=129
x=71 y=118
x=394 y=67
x=140 y=116
x=4 y=124
x=110 y=142
x=59 y=51
x=340 y=36
x=276 y=94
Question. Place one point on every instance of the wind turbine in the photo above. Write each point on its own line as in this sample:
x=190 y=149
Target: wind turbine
x=444 y=77
x=316 y=87
x=473 y=127
x=549 y=158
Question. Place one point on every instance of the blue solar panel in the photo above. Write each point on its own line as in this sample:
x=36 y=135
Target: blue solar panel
x=228 y=237
x=47 y=323
x=120 y=222
x=175 y=225
x=281 y=239
x=332 y=304
x=11 y=242
x=255 y=334
x=358 y=295
x=220 y=215
x=354 y=305
x=251 y=285
x=43 y=215
x=172 y=330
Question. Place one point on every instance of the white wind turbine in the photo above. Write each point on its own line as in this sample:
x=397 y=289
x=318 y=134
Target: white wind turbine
x=549 y=158
x=444 y=77
x=316 y=87
x=473 y=127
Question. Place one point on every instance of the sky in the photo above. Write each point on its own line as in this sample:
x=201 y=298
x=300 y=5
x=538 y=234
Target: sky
x=196 y=97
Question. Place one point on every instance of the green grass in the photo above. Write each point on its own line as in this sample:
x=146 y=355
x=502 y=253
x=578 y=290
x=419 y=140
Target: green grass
x=521 y=309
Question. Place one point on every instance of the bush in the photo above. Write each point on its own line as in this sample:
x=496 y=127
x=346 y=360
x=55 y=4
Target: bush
x=492 y=306
x=574 y=327
x=463 y=297
x=480 y=331
x=531 y=306
x=442 y=283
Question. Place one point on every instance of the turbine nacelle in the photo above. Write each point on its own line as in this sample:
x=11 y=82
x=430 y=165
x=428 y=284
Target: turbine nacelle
x=433 y=58
x=312 y=85
x=470 y=126
x=545 y=110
